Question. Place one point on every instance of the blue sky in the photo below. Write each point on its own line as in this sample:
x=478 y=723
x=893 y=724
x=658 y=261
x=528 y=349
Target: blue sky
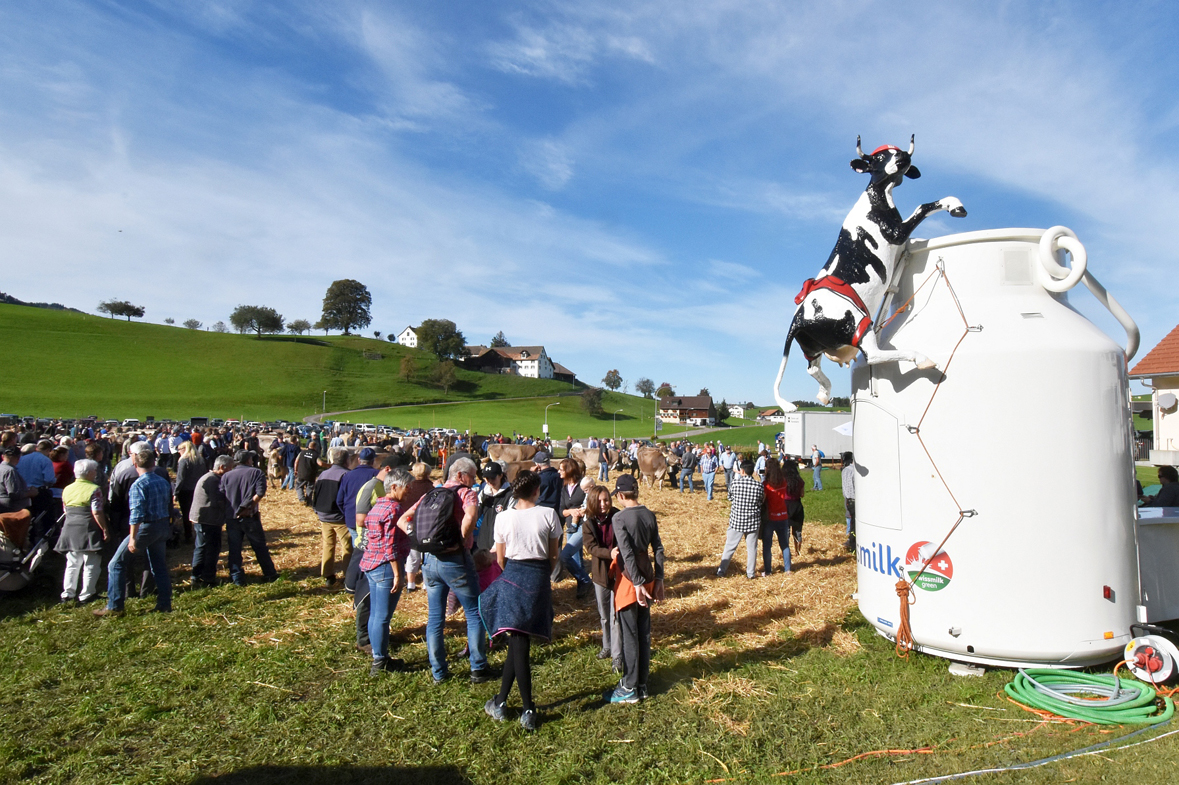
x=638 y=185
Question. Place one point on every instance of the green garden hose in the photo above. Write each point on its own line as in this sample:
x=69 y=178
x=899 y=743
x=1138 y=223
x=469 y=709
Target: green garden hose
x=1112 y=701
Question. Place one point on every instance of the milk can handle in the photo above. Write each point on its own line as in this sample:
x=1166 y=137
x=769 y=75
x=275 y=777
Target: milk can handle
x=1056 y=277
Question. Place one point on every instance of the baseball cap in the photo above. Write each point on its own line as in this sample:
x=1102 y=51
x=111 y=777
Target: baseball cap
x=492 y=469
x=240 y=456
x=626 y=484
x=367 y=454
x=541 y=457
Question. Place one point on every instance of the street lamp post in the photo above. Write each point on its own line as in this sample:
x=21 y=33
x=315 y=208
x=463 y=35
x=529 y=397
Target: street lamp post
x=546 y=417
x=325 y=401
x=616 y=423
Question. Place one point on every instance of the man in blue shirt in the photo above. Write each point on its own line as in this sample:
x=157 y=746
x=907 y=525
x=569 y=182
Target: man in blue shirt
x=244 y=486
x=150 y=520
x=37 y=470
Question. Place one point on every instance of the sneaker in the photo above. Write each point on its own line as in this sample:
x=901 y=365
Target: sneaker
x=494 y=710
x=102 y=612
x=642 y=693
x=365 y=649
x=765 y=574
x=604 y=654
x=530 y=720
x=411 y=586
x=482 y=676
x=621 y=694
x=387 y=665
x=67 y=600
x=584 y=590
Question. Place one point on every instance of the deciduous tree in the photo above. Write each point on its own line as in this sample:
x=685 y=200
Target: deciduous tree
x=612 y=379
x=441 y=338
x=192 y=324
x=169 y=320
x=444 y=375
x=259 y=318
x=121 y=308
x=591 y=400
x=645 y=387
x=665 y=391
x=345 y=306
x=220 y=327
x=299 y=326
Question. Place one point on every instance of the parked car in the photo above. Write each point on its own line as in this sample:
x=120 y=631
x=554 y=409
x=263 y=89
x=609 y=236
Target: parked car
x=131 y=423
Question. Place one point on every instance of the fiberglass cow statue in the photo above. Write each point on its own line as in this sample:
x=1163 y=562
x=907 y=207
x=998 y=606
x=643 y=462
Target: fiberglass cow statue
x=836 y=308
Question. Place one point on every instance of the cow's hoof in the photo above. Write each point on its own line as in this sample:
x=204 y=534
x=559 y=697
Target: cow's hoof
x=958 y=212
x=925 y=364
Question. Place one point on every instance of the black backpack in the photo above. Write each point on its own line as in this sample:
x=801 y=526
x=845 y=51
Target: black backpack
x=434 y=527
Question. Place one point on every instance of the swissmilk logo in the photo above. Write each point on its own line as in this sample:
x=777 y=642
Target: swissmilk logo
x=939 y=572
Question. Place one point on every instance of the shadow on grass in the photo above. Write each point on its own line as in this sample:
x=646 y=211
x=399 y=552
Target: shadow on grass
x=339 y=775
x=293 y=339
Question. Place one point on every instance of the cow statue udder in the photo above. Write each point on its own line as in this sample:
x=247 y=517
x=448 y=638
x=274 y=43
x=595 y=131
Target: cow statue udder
x=836 y=307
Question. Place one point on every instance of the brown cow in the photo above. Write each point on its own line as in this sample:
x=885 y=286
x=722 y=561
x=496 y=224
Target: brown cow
x=652 y=466
x=589 y=458
x=511 y=452
x=276 y=470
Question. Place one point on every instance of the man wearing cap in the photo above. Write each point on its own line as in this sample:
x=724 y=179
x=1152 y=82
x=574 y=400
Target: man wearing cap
x=208 y=513
x=15 y=493
x=728 y=461
x=150 y=526
x=244 y=486
x=550 y=481
x=37 y=469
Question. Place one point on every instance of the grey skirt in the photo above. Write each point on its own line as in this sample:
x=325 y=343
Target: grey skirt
x=80 y=532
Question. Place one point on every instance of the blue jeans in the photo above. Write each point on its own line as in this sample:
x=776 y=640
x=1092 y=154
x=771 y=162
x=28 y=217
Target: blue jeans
x=571 y=558
x=288 y=482
x=152 y=538
x=444 y=574
x=382 y=603
x=206 y=550
x=818 y=480
x=709 y=479
x=688 y=476
x=603 y=471
x=250 y=529
x=728 y=480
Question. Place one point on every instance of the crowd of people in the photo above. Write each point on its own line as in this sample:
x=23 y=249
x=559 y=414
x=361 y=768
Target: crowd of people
x=473 y=540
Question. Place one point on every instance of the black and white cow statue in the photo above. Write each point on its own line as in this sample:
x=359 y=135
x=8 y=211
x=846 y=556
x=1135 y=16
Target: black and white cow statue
x=836 y=308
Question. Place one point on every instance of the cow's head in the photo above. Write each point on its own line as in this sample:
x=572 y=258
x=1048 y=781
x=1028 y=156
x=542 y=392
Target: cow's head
x=887 y=164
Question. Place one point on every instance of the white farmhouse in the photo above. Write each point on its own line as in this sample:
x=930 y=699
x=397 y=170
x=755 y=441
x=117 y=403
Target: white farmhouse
x=530 y=361
x=408 y=337
x=1160 y=370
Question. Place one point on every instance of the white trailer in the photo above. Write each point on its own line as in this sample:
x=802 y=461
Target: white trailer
x=802 y=429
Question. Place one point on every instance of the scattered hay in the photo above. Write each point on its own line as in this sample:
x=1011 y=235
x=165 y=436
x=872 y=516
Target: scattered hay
x=703 y=614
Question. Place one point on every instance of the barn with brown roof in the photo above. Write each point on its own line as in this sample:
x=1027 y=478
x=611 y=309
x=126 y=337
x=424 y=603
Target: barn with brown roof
x=1159 y=369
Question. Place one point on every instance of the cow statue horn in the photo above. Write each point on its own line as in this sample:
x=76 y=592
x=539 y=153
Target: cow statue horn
x=860 y=152
x=912 y=143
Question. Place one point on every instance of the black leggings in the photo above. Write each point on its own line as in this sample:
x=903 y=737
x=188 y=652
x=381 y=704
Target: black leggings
x=517 y=668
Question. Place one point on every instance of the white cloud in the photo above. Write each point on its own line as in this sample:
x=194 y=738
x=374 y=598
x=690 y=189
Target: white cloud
x=549 y=161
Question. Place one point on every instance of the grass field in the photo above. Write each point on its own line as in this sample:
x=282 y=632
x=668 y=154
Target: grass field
x=773 y=680
x=81 y=365
x=527 y=416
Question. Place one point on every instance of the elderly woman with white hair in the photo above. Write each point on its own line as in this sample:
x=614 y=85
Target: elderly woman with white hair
x=83 y=533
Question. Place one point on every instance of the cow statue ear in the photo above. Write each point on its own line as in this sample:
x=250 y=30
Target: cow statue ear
x=913 y=173
x=859 y=164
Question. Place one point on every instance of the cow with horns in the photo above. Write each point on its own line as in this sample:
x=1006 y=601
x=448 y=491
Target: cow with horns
x=836 y=308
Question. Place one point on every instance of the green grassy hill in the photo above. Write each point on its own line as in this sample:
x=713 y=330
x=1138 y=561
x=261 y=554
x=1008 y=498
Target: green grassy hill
x=636 y=417
x=73 y=365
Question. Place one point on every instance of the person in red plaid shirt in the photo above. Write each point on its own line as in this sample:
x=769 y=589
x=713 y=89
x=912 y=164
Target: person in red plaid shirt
x=386 y=547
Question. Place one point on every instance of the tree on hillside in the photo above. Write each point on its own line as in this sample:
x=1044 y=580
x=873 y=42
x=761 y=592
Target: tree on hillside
x=320 y=326
x=840 y=401
x=444 y=375
x=441 y=338
x=722 y=411
x=612 y=379
x=220 y=327
x=645 y=387
x=169 y=320
x=408 y=368
x=665 y=391
x=498 y=341
x=591 y=400
x=377 y=334
x=704 y=391
x=259 y=318
x=345 y=306
x=192 y=324
x=120 y=308
x=391 y=338
x=299 y=326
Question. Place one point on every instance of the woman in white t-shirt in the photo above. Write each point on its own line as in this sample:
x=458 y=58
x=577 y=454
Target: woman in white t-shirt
x=519 y=602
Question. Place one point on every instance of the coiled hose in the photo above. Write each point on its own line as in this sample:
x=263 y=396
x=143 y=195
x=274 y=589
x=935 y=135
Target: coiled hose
x=1110 y=701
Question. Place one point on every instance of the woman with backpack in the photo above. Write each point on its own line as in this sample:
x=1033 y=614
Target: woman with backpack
x=784 y=489
x=519 y=603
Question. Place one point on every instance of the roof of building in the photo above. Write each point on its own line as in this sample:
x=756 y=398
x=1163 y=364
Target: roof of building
x=517 y=352
x=411 y=328
x=475 y=350
x=686 y=402
x=770 y=412
x=1162 y=359
x=561 y=369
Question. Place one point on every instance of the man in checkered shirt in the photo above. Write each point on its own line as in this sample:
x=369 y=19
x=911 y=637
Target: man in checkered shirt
x=746 y=498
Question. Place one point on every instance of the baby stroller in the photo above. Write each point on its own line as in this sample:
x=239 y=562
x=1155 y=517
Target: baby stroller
x=24 y=541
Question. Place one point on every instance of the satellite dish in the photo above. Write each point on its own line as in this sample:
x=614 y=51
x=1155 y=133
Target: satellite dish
x=1167 y=401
